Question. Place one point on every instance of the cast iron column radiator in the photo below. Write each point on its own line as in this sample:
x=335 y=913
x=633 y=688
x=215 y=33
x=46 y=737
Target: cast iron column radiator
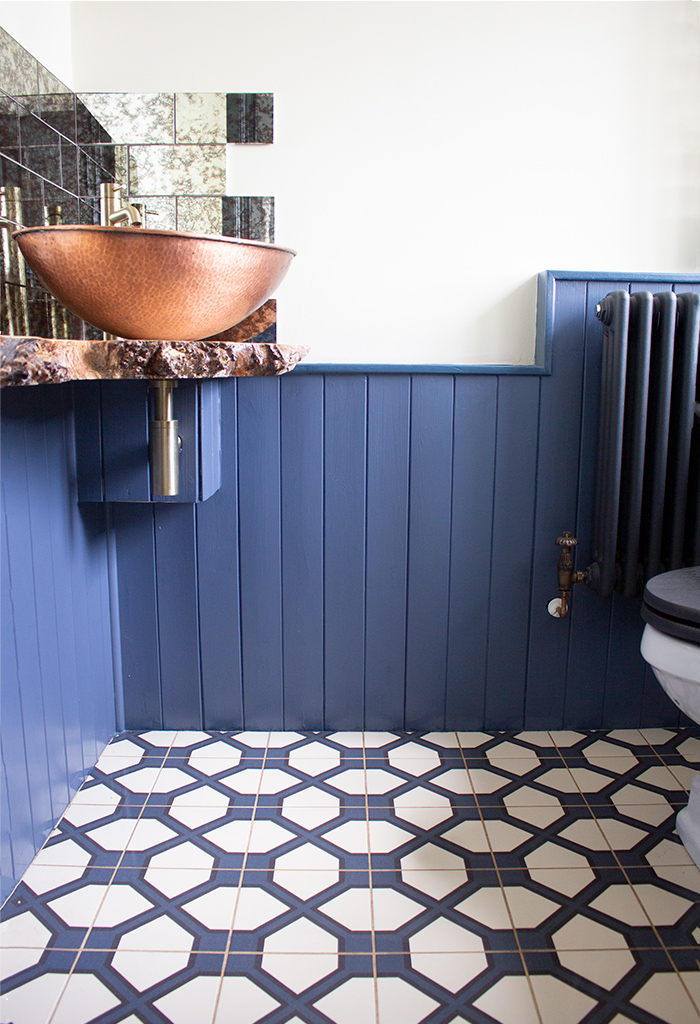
x=647 y=505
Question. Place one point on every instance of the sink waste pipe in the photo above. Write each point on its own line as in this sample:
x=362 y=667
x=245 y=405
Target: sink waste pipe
x=164 y=442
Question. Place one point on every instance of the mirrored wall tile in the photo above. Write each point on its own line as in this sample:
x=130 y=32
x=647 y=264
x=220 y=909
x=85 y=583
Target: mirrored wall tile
x=14 y=310
x=89 y=211
x=6 y=306
x=121 y=164
x=97 y=164
x=35 y=132
x=133 y=117
x=177 y=170
x=90 y=175
x=249 y=117
x=32 y=216
x=160 y=211
x=9 y=122
x=10 y=168
x=69 y=166
x=105 y=156
x=199 y=213
x=44 y=161
x=58 y=111
x=249 y=217
x=89 y=129
x=30 y=186
x=60 y=320
x=200 y=117
x=39 y=313
x=60 y=207
x=48 y=83
x=14 y=269
x=19 y=71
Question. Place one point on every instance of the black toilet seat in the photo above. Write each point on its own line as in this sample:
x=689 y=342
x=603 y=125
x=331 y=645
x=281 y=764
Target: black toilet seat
x=672 y=603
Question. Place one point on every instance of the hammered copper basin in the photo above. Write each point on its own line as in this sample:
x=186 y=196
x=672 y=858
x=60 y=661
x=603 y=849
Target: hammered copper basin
x=151 y=284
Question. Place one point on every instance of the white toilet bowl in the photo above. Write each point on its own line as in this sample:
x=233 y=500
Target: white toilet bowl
x=671 y=646
x=676 y=664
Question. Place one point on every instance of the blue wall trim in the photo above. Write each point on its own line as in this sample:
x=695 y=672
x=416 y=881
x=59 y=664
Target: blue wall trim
x=542 y=364
x=501 y=369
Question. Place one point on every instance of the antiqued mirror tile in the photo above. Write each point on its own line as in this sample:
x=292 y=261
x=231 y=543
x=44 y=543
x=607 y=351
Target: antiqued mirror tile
x=35 y=132
x=60 y=206
x=200 y=117
x=89 y=176
x=10 y=169
x=177 y=170
x=48 y=83
x=69 y=166
x=249 y=217
x=18 y=69
x=89 y=212
x=44 y=161
x=89 y=129
x=249 y=117
x=199 y=213
x=160 y=211
x=105 y=156
x=9 y=122
x=58 y=111
x=121 y=164
x=133 y=117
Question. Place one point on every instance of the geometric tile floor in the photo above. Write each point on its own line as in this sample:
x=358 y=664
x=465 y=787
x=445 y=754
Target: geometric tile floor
x=376 y=878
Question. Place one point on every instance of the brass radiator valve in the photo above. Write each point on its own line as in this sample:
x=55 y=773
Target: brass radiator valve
x=566 y=575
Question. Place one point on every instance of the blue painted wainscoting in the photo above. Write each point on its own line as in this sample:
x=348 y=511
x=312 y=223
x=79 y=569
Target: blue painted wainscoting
x=57 y=696
x=381 y=555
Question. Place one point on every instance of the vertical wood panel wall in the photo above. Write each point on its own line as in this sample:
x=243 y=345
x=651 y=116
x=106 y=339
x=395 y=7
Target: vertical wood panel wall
x=57 y=694
x=381 y=555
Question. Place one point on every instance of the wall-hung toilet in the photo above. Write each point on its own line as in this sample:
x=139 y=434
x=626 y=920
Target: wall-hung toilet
x=671 y=645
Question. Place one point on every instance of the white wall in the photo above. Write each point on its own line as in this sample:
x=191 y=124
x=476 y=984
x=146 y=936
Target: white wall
x=431 y=158
x=43 y=28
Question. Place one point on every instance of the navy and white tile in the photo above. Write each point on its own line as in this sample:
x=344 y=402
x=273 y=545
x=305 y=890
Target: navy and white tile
x=295 y=878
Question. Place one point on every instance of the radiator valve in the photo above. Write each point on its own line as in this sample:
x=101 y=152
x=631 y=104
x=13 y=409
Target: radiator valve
x=566 y=575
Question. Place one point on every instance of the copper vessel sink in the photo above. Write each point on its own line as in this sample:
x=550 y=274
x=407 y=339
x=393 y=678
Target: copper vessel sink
x=154 y=284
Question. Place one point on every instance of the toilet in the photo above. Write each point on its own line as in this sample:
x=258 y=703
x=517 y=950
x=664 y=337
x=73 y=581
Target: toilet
x=671 y=646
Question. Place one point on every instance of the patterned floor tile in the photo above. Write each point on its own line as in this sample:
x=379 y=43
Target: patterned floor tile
x=457 y=986
x=312 y=988
x=106 y=985
x=637 y=986
x=392 y=878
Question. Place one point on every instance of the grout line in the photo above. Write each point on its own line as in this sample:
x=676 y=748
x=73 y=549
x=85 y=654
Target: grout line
x=627 y=879
x=460 y=759
x=503 y=895
x=239 y=887
x=361 y=953
x=375 y=982
x=89 y=929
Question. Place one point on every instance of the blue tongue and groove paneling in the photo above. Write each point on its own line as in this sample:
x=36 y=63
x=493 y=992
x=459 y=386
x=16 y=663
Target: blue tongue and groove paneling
x=382 y=551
